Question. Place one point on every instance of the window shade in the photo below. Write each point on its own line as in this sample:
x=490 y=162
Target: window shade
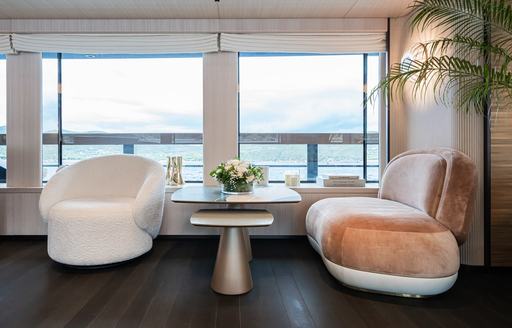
x=5 y=44
x=116 y=43
x=312 y=43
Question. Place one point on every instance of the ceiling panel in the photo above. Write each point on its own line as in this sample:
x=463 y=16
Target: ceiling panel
x=146 y=9
x=393 y=8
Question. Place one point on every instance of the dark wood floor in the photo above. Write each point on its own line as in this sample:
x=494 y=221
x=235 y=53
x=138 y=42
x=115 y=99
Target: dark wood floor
x=170 y=287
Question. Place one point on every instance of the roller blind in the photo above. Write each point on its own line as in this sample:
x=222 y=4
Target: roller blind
x=312 y=43
x=116 y=43
x=5 y=44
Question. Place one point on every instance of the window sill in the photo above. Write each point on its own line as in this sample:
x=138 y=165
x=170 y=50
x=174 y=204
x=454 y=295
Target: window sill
x=305 y=188
x=5 y=189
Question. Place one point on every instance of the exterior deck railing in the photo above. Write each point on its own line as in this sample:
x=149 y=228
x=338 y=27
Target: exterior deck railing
x=129 y=140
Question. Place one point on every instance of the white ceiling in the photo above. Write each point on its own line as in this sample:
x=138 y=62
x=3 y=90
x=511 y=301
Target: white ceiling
x=147 y=9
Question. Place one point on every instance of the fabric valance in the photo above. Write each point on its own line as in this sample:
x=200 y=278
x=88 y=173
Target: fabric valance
x=116 y=43
x=5 y=44
x=302 y=43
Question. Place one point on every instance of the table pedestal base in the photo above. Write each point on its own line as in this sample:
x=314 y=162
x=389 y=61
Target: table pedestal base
x=232 y=274
x=248 y=248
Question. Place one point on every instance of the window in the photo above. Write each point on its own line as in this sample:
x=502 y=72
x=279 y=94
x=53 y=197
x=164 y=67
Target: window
x=307 y=112
x=3 y=118
x=149 y=105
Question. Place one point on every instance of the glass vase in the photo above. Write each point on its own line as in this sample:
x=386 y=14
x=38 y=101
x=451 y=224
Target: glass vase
x=237 y=188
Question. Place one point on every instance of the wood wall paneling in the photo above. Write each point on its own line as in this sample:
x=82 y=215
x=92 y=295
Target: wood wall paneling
x=19 y=213
x=501 y=188
x=220 y=110
x=24 y=103
x=425 y=124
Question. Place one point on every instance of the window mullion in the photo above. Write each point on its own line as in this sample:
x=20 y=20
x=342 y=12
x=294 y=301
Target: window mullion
x=365 y=116
x=59 y=107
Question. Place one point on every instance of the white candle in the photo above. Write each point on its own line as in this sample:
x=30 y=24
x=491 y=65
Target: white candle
x=265 y=170
x=292 y=178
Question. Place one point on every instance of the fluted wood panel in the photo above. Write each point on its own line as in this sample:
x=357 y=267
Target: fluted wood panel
x=19 y=213
x=425 y=124
x=501 y=188
x=220 y=110
x=397 y=115
x=24 y=121
x=468 y=137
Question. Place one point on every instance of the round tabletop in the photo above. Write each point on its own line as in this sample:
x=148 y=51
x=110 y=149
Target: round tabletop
x=213 y=195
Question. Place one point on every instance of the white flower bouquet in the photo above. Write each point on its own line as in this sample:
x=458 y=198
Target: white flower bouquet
x=237 y=176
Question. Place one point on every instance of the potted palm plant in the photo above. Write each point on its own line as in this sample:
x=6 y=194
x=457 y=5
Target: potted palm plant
x=468 y=67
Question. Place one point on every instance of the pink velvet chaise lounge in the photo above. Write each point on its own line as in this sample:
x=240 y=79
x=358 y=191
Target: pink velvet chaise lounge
x=406 y=241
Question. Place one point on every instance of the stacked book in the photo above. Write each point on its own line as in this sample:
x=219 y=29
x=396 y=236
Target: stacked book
x=340 y=180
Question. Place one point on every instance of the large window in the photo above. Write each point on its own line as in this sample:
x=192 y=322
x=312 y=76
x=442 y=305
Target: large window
x=149 y=105
x=308 y=112
x=3 y=119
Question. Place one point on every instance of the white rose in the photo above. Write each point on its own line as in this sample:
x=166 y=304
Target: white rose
x=250 y=178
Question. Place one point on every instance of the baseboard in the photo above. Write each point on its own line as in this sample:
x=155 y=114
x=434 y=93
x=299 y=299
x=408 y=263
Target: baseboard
x=23 y=237
x=485 y=269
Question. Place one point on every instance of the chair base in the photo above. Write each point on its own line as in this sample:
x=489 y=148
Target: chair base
x=100 y=266
x=411 y=287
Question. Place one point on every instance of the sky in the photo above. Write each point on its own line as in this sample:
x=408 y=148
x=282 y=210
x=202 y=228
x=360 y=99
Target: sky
x=277 y=94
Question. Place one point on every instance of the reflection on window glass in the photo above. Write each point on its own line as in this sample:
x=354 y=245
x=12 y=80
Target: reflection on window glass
x=147 y=95
x=3 y=119
x=283 y=95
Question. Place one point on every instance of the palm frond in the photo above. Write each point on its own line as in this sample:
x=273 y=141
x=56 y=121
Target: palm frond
x=468 y=66
x=465 y=47
x=466 y=17
x=450 y=79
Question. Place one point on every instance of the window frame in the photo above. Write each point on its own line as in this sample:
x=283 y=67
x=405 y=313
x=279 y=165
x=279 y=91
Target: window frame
x=127 y=140
x=312 y=148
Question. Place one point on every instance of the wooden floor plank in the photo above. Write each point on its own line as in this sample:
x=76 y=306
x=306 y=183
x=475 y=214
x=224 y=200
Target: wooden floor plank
x=291 y=296
x=323 y=295
x=195 y=304
x=101 y=297
x=123 y=296
x=170 y=286
x=172 y=273
x=263 y=306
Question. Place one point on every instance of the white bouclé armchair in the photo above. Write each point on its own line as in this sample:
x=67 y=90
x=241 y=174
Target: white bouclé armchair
x=103 y=210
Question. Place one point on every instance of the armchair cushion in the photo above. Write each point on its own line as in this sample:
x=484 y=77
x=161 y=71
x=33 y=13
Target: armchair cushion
x=108 y=220
x=382 y=236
